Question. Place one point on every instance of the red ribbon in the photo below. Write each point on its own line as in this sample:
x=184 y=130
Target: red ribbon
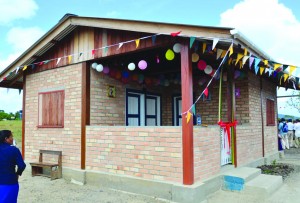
x=227 y=126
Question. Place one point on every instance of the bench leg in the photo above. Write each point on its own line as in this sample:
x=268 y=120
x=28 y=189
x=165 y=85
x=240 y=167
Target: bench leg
x=36 y=170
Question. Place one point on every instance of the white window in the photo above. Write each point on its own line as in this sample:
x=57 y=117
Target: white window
x=142 y=109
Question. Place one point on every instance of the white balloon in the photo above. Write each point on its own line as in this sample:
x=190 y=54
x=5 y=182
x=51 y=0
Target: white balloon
x=131 y=66
x=94 y=65
x=99 y=68
x=208 y=69
x=177 y=48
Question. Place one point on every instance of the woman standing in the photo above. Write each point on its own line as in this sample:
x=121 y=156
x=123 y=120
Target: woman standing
x=10 y=157
x=297 y=133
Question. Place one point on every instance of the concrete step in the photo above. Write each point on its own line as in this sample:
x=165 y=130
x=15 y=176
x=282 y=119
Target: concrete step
x=263 y=185
x=234 y=180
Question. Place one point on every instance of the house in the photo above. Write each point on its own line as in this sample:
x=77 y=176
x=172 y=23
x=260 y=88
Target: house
x=120 y=98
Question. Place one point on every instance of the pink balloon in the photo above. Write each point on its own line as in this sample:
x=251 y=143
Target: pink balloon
x=142 y=64
x=201 y=65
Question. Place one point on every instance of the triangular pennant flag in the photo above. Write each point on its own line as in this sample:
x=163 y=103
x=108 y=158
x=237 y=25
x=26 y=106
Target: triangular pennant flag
x=188 y=117
x=194 y=109
x=223 y=54
x=174 y=34
x=203 y=47
x=58 y=60
x=153 y=39
x=294 y=86
x=266 y=62
x=40 y=63
x=270 y=72
x=267 y=70
x=215 y=42
x=276 y=66
x=284 y=67
x=20 y=90
x=105 y=50
x=229 y=61
x=261 y=70
x=47 y=61
x=251 y=59
x=256 y=69
x=24 y=68
x=230 y=50
x=245 y=51
x=219 y=52
x=137 y=42
x=297 y=80
x=245 y=58
x=241 y=64
x=285 y=77
x=17 y=69
x=93 y=52
x=239 y=56
x=120 y=45
x=292 y=69
x=192 y=40
x=205 y=92
x=275 y=73
x=256 y=62
x=70 y=58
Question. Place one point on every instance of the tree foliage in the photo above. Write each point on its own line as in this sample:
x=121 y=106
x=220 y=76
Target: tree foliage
x=294 y=101
x=9 y=116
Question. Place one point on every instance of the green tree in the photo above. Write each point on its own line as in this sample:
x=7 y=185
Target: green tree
x=294 y=100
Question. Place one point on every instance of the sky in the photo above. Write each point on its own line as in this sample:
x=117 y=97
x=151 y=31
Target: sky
x=272 y=25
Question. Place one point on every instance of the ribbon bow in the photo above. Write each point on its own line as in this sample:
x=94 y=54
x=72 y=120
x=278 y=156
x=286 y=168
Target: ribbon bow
x=227 y=126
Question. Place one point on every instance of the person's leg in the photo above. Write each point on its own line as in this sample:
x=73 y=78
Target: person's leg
x=9 y=193
x=289 y=136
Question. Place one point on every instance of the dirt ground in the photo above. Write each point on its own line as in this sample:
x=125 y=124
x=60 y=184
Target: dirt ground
x=41 y=189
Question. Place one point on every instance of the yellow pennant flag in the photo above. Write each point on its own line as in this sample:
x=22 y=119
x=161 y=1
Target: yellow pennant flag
x=188 y=117
x=223 y=54
x=229 y=61
x=276 y=65
x=239 y=56
x=231 y=49
x=245 y=51
x=292 y=69
x=266 y=62
x=70 y=58
x=285 y=77
x=261 y=70
x=137 y=42
x=241 y=64
x=25 y=67
x=204 y=47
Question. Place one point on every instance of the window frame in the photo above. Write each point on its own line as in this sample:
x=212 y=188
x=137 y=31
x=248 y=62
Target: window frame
x=41 y=113
x=270 y=112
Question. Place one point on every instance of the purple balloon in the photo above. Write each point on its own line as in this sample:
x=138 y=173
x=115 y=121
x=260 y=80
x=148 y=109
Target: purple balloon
x=106 y=70
x=142 y=65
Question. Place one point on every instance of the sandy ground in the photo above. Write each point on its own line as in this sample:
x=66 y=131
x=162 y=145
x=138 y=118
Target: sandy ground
x=41 y=189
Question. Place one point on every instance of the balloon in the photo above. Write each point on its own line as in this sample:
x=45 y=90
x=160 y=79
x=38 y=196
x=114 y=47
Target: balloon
x=170 y=55
x=142 y=65
x=131 y=66
x=195 y=57
x=125 y=74
x=201 y=65
x=105 y=70
x=208 y=70
x=94 y=65
x=177 y=48
x=99 y=68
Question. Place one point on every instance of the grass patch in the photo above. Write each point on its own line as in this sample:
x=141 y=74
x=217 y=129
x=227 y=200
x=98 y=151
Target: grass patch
x=15 y=126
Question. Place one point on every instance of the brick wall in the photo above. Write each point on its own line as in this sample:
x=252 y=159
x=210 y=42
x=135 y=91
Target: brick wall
x=147 y=152
x=66 y=139
x=207 y=150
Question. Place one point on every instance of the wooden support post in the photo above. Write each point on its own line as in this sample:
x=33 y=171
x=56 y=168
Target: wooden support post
x=187 y=101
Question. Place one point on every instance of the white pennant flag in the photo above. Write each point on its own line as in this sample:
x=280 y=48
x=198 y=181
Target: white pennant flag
x=294 y=85
x=215 y=42
x=17 y=69
x=245 y=58
x=120 y=45
x=267 y=70
x=58 y=60
x=219 y=52
x=270 y=72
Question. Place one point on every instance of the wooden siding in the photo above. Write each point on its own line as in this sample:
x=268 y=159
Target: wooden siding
x=85 y=39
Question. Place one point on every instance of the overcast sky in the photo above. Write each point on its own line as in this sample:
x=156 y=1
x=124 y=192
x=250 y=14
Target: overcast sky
x=272 y=25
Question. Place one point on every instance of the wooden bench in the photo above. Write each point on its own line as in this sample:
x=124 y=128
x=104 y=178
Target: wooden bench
x=54 y=169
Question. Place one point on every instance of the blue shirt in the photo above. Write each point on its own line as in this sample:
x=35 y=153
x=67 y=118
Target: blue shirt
x=10 y=157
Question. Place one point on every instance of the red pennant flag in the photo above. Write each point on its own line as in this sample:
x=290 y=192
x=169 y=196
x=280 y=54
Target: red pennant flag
x=93 y=52
x=40 y=63
x=174 y=34
x=206 y=92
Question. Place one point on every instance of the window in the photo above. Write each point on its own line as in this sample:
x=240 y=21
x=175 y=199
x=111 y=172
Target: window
x=270 y=112
x=142 y=109
x=51 y=109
